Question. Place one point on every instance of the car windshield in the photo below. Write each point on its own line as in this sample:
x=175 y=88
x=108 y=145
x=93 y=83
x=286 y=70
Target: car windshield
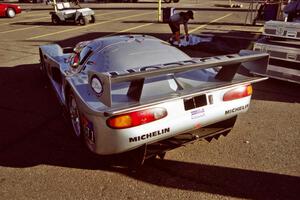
x=127 y=55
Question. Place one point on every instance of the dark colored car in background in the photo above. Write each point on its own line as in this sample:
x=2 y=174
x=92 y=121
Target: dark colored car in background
x=9 y=10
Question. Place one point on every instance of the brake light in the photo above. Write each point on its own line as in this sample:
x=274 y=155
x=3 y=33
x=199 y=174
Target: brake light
x=238 y=93
x=137 y=118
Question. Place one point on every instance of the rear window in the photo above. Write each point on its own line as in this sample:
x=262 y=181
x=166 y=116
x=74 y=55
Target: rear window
x=128 y=55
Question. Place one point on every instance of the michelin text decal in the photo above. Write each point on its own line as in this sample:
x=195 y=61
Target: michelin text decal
x=233 y=110
x=149 y=135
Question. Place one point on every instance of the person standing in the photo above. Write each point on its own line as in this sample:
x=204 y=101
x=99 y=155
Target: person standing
x=174 y=23
x=292 y=9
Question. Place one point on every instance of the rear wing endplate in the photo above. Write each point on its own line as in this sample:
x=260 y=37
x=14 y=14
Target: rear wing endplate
x=229 y=66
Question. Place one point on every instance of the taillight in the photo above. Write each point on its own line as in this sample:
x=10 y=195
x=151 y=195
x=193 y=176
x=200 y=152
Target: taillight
x=136 y=118
x=238 y=93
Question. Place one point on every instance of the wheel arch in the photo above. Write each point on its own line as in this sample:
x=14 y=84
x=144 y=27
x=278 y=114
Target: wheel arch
x=12 y=9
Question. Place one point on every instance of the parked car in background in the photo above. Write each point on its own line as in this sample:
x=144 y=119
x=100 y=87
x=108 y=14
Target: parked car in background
x=9 y=10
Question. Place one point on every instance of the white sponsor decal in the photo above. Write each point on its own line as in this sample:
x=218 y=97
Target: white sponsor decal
x=197 y=113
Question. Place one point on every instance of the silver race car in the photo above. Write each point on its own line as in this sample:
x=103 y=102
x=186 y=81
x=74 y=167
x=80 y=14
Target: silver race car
x=138 y=94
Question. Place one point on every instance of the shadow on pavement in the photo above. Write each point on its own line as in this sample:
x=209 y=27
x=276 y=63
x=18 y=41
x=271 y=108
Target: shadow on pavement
x=277 y=90
x=196 y=23
x=35 y=23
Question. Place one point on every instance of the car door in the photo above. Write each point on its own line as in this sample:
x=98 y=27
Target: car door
x=2 y=9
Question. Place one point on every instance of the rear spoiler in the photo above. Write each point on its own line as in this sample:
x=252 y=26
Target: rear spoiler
x=229 y=66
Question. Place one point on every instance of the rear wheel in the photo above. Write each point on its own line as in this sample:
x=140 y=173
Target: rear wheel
x=55 y=20
x=74 y=115
x=83 y=20
x=10 y=13
x=161 y=156
x=93 y=19
x=136 y=157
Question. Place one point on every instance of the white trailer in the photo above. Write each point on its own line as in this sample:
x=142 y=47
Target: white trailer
x=282 y=41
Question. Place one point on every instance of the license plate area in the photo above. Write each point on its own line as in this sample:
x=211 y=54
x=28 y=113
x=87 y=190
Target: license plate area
x=195 y=102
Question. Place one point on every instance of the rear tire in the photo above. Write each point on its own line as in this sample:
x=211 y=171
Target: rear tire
x=10 y=13
x=136 y=157
x=83 y=20
x=161 y=156
x=42 y=64
x=93 y=19
x=55 y=20
x=74 y=115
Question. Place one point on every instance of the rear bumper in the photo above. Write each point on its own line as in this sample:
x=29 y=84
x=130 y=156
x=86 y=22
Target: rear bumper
x=208 y=133
x=200 y=123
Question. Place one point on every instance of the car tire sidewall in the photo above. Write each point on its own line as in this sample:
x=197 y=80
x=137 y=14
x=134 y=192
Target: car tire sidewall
x=55 y=20
x=82 y=20
x=77 y=131
x=10 y=13
x=93 y=19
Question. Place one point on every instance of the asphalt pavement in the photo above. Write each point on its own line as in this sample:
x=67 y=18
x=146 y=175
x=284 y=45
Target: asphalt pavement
x=39 y=158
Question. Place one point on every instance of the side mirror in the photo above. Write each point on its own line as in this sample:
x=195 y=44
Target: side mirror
x=75 y=61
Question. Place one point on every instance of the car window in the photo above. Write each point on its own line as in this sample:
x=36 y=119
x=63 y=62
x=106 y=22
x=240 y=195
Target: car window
x=84 y=54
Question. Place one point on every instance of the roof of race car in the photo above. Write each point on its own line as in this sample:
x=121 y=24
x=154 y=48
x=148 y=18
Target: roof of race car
x=118 y=53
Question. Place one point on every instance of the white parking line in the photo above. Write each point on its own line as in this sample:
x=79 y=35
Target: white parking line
x=204 y=25
x=14 y=30
x=90 y=25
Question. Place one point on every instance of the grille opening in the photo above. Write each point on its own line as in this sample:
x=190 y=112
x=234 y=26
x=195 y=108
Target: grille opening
x=195 y=102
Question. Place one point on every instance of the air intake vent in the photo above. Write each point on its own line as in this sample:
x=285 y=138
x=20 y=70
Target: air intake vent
x=195 y=102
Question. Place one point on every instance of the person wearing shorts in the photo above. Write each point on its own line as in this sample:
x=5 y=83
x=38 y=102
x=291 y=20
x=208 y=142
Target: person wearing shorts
x=174 y=23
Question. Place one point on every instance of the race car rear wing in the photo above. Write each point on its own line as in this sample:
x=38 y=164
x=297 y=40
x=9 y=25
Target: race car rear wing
x=229 y=64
